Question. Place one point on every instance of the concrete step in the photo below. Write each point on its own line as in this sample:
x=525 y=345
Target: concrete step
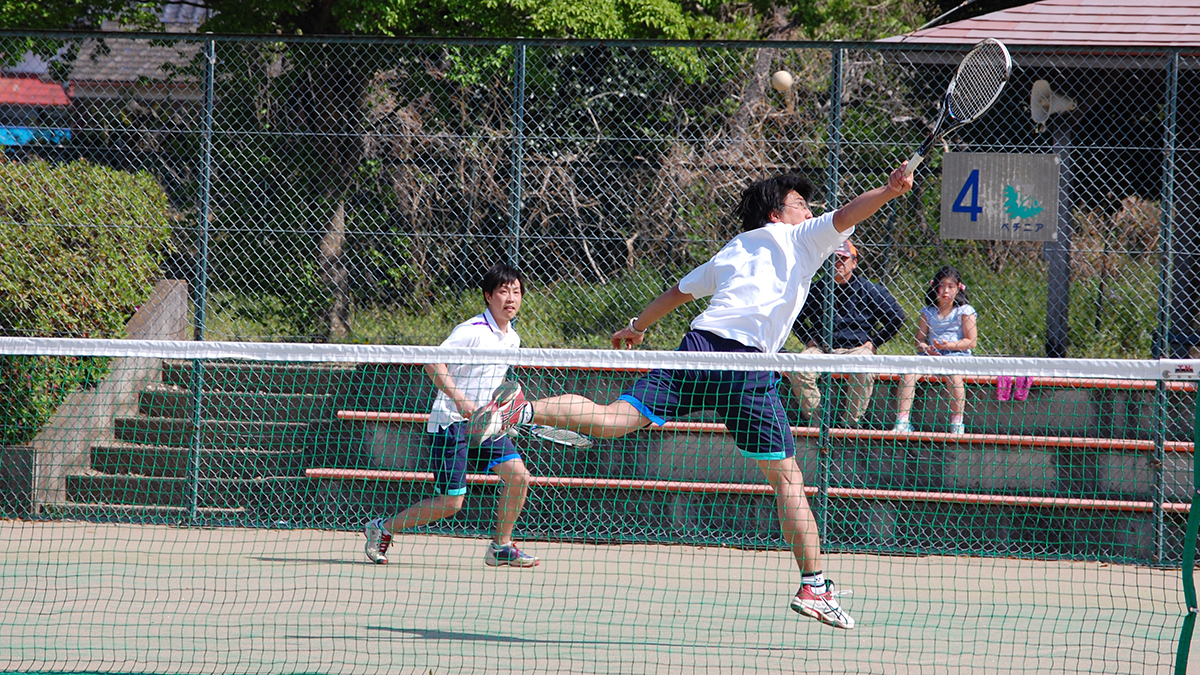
x=150 y=515
x=261 y=377
x=175 y=462
x=169 y=401
x=164 y=431
x=271 y=494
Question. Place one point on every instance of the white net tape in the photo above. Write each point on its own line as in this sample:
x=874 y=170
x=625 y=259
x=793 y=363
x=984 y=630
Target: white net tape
x=1124 y=369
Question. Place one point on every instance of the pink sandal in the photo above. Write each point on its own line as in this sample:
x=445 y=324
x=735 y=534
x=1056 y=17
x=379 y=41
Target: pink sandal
x=1021 y=388
x=1004 y=387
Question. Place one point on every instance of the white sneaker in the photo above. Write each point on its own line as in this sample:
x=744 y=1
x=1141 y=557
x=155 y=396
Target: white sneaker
x=903 y=427
x=823 y=607
x=958 y=428
x=378 y=541
x=499 y=415
x=509 y=554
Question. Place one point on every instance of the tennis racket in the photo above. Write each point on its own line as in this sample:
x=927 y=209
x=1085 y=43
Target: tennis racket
x=974 y=88
x=554 y=435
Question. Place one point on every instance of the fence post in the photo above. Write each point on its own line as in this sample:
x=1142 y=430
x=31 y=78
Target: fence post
x=1162 y=345
x=1058 y=253
x=833 y=179
x=518 y=150
x=193 y=481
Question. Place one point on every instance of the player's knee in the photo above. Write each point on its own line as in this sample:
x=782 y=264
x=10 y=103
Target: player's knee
x=452 y=504
x=514 y=474
x=782 y=475
x=519 y=479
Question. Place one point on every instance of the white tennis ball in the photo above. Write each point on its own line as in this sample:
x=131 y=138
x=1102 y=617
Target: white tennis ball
x=781 y=80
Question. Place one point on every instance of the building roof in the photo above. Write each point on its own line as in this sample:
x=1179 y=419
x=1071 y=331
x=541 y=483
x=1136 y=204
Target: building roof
x=129 y=61
x=1088 y=23
x=31 y=91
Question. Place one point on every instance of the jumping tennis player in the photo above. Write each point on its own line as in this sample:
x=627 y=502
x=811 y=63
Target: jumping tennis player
x=758 y=283
x=461 y=390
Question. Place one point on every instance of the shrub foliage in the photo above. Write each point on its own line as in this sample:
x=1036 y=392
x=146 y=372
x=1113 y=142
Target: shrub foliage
x=81 y=250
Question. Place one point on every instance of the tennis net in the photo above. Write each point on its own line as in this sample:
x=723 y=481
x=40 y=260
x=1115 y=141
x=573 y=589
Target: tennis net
x=199 y=507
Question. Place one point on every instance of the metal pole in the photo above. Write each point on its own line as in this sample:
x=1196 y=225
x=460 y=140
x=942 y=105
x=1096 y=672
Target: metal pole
x=210 y=61
x=518 y=150
x=1058 y=253
x=833 y=180
x=1189 y=552
x=1166 y=271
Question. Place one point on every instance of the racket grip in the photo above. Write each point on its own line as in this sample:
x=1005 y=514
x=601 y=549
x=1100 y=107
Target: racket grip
x=913 y=163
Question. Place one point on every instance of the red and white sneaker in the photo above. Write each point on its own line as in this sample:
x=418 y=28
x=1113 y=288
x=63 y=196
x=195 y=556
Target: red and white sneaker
x=378 y=541
x=823 y=607
x=499 y=415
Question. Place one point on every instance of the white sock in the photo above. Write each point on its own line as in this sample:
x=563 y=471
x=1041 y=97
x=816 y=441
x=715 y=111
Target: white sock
x=379 y=523
x=525 y=414
x=956 y=419
x=815 y=579
x=902 y=417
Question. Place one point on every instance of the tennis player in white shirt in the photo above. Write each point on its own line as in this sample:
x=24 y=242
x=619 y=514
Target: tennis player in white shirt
x=758 y=282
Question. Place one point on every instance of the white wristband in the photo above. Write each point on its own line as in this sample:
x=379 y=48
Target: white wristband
x=634 y=329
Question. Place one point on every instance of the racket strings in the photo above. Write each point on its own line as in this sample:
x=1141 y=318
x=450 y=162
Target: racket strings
x=979 y=80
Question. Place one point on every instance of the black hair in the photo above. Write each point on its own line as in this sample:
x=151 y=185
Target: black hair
x=766 y=196
x=499 y=275
x=960 y=298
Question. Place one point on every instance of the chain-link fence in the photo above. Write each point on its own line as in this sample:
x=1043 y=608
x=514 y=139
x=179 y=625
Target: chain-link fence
x=355 y=189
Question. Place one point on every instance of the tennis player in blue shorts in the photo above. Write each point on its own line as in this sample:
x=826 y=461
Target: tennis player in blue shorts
x=758 y=283
x=461 y=390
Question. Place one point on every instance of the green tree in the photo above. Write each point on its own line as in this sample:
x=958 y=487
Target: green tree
x=329 y=93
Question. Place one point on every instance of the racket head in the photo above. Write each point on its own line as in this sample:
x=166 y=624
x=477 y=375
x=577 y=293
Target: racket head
x=978 y=82
x=559 y=436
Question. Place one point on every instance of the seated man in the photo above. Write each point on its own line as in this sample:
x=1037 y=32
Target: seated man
x=865 y=316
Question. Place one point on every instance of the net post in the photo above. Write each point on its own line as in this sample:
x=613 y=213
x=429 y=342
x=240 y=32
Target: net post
x=193 y=470
x=1159 y=416
x=1189 y=552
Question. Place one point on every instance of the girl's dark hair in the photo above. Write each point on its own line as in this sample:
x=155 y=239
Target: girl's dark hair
x=499 y=275
x=766 y=196
x=960 y=298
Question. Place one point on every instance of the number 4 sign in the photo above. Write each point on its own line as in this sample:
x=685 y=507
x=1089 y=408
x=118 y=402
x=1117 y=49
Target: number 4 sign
x=1005 y=197
x=970 y=188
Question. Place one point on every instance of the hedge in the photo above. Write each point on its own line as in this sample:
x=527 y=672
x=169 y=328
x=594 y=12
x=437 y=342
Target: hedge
x=80 y=249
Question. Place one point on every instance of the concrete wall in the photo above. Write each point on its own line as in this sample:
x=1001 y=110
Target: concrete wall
x=36 y=475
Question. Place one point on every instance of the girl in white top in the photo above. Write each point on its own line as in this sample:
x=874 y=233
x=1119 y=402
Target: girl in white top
x=945 y=327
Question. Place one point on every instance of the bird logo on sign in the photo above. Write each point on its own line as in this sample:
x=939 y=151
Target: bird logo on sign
x=1020 y=207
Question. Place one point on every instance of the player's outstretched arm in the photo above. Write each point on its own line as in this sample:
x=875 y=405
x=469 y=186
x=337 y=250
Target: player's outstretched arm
x=865 y=205
x=657 y=309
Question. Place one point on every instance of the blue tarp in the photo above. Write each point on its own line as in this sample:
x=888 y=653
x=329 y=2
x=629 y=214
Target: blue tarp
x=25 y=135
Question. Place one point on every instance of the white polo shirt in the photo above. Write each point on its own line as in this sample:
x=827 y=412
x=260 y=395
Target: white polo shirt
x=475 y=382
x=760 y=280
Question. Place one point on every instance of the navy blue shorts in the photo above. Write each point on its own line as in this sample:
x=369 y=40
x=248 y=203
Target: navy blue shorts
x=451 y=456
x=747 y=402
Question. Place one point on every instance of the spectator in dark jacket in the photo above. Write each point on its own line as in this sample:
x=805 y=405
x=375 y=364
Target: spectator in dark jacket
x=865 y=316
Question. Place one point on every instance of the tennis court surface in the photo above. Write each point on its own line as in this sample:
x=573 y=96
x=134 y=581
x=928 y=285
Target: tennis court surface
x=160 y=599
